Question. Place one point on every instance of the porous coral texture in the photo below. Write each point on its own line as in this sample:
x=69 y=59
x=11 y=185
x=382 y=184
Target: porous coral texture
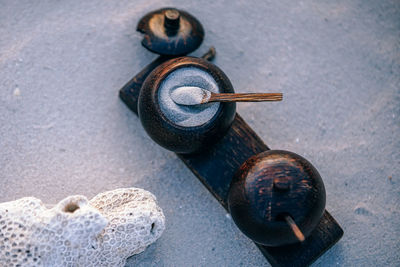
x=104 y=231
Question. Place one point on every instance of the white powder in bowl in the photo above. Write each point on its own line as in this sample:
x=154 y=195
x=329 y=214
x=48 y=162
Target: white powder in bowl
x=187 y=116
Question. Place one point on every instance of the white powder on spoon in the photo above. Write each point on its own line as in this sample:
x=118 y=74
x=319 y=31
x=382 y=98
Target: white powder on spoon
x=182 y=115
x=190 y=95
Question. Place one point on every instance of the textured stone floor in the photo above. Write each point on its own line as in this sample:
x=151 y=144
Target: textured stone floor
x=63 y=129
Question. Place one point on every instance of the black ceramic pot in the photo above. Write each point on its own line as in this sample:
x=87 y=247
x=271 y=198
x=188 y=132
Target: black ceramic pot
x=167 y=133
x=270 y=186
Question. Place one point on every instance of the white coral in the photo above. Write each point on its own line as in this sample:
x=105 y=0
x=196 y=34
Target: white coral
x=104 y=231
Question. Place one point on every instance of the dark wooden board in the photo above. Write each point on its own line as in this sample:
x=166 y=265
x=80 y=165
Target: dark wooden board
x=216 y=166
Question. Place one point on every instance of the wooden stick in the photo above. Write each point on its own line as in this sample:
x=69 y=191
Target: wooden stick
x=210 y=54
x=245 y=97
x=297 y=232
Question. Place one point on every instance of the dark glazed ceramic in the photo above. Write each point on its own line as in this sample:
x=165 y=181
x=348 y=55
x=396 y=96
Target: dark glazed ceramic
x=270 y=186
x=178 y=138
x=169 y=31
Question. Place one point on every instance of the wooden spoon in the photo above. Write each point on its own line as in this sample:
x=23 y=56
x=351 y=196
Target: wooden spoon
x=193 y=95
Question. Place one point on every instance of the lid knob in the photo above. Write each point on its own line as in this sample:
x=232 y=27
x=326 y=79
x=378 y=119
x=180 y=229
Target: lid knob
x=171 y=21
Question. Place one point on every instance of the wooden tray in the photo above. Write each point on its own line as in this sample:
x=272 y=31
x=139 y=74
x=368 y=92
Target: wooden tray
x=215 y=168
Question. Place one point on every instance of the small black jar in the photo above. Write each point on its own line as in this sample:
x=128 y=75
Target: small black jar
x=165 y=125
x=271 y=186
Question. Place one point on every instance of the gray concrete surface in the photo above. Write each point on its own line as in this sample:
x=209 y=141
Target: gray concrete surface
x=63 y=129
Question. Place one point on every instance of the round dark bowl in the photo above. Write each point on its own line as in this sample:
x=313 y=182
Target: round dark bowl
x=270 y=186
x=175 y=137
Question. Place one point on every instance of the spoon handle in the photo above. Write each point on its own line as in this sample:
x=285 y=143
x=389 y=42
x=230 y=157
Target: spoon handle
x=249 y=97
x=296 y=230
